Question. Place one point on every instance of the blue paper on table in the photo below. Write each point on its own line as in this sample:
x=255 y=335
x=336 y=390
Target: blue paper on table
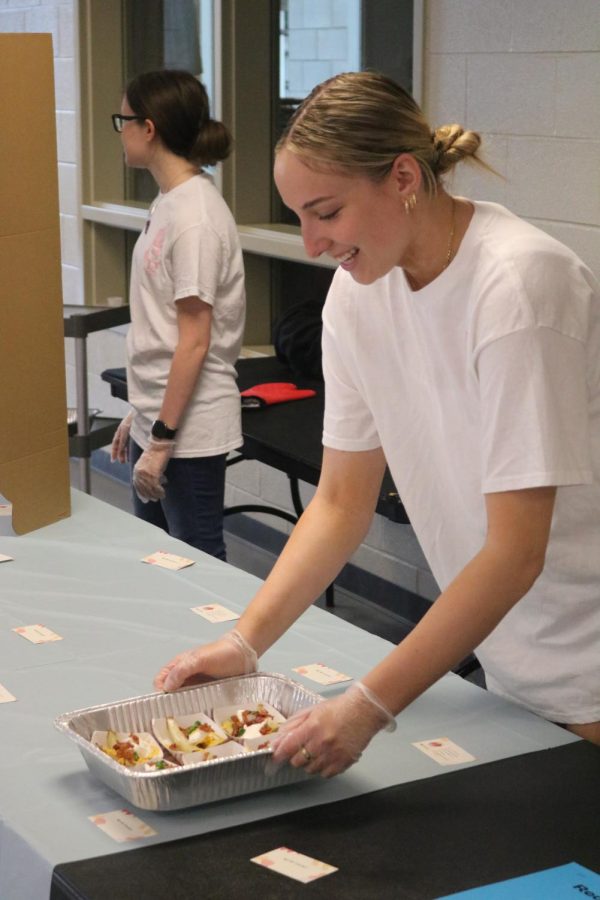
x=562 y=883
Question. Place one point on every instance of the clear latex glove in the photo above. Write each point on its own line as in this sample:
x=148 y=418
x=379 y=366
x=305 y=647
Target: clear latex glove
x=330 y=737
x=148 y=472
x=120 y=443
x=230 y=655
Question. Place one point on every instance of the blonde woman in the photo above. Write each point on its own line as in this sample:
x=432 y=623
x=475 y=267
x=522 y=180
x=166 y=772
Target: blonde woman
x=462 y=345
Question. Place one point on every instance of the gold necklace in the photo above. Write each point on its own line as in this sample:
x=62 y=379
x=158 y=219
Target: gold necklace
x=414 y=284
x=451 y=238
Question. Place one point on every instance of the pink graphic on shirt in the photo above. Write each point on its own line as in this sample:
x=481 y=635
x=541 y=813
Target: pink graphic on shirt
x=152 y=256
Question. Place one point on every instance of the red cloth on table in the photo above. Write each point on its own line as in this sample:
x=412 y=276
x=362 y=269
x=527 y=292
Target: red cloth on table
x=273 y=392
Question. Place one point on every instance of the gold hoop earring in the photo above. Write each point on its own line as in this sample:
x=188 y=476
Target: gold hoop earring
x=410 y=203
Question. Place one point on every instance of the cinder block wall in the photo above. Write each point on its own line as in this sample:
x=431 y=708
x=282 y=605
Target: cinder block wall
x=323 y=40
x=526 y=73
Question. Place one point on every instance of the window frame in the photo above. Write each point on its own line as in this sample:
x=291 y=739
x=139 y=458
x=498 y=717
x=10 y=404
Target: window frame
x=239 y=77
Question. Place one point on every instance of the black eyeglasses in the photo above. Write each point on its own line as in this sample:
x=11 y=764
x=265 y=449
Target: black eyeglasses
x=118 y=119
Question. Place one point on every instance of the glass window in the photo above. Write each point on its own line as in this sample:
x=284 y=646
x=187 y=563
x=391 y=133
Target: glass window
x=317 y=41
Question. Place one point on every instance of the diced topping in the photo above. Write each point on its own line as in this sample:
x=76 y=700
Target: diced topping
x=198 y=726
x=234 y=726
x=237 y=724
x=269 y=727
x=125 y=753
x=254 y=716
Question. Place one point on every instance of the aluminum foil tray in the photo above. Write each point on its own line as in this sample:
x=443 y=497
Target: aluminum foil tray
x=178 y=788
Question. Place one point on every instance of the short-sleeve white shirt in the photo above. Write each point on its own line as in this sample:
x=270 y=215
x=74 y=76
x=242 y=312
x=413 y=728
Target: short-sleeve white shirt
x=190 y=247
x=486 y=380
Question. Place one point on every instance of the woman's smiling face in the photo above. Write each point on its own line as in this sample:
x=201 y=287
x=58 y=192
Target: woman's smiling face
x=358 y=222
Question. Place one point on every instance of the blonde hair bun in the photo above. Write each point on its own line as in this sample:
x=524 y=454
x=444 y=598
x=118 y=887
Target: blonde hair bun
x=452 y=144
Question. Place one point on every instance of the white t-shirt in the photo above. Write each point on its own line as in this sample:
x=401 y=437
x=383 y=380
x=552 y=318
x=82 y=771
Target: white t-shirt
x=190 y=248
x=486 y=380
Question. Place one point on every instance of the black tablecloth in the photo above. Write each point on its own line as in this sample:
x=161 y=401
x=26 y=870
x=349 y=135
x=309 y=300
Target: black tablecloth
x=416 y=841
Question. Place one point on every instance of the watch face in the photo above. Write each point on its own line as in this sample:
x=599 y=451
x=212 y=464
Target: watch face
x=160 y=431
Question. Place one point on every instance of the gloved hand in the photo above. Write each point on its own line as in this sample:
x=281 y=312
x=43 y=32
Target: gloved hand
x=330 y=737
x=230 y=655
x=273 y=392
x=120 y=443
x=148 y=472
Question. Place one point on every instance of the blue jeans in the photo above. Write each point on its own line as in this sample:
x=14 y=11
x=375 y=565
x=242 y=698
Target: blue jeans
x=192 y=509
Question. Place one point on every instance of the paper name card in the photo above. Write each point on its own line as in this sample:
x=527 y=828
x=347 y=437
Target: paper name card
x=37 y=634
x=444 y=751
x=214 y=612
x=168 y=560
x=294 y=865
x=6 y=696
x=121 y=825
x=322 y=674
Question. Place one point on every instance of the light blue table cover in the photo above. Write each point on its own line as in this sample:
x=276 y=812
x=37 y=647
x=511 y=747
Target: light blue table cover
x=120 y=621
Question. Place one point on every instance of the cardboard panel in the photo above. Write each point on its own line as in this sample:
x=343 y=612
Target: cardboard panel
x=34 y=461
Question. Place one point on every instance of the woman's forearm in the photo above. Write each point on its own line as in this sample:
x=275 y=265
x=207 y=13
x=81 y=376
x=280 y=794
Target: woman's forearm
x=194 y=322
x=185 y=370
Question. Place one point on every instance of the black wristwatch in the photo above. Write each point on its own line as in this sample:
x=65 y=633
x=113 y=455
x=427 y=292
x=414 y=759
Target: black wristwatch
x=162 y=432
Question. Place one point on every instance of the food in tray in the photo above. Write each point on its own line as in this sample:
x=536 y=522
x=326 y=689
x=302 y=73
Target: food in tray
x=132 y=749
x=198 y=735
x=193 y=739
x=189 y=737
x=254 y=726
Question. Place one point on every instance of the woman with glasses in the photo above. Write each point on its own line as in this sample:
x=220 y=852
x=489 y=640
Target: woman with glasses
x=187 y=304
x=462 y=345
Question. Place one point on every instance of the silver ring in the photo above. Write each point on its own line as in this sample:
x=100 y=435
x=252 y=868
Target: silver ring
x=306 y=753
